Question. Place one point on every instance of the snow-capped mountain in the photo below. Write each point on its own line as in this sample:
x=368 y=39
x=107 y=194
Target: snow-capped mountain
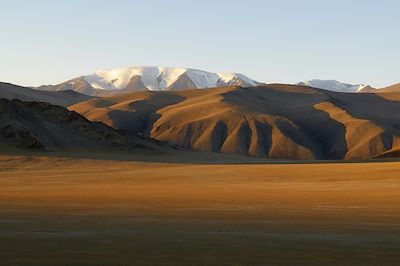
x=150 y=78
x=333 y=85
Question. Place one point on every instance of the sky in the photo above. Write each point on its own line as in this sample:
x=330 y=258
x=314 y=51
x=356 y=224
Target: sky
x=287 y=41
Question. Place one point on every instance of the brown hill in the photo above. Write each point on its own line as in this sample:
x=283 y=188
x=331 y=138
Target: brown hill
x=393 y=88
x=274 y=121
x=78 y=84
x=62 y=98
x=44 y=126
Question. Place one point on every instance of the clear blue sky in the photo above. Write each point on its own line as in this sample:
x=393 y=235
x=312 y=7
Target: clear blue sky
x=355 y=41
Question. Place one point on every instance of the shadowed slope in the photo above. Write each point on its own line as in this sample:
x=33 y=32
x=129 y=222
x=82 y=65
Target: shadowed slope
x=62 y=98
x=36 y=125
x=134 y=112
x=274 y=121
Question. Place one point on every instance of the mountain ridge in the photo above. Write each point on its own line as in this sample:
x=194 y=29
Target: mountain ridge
x=62 y=97
x=121 y=80
x=111 y=82
x=272 y=121
x=333 y=85
x=278 y=121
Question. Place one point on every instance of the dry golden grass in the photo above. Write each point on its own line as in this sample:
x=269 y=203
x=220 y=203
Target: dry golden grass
x=63 y=211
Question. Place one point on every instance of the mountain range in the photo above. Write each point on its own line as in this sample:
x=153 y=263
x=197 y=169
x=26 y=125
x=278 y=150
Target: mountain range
x=122 y=80
x=272 y=121
x=203 y=111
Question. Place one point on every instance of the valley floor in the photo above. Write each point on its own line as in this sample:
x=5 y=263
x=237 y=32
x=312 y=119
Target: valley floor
x=70 y=211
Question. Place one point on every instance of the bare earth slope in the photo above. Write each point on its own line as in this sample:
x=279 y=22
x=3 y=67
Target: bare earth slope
x=274 y=121
x=33 y=125
x=62 y=98
x=392 y=88
x=389 y=89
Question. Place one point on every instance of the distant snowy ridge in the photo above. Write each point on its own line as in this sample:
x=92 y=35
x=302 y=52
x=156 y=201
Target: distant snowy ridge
x=161 y=78
x=333 y=85
x=148 y=78
x=156 y=78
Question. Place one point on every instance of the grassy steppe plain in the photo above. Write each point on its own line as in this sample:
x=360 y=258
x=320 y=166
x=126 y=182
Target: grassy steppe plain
x=71 y=211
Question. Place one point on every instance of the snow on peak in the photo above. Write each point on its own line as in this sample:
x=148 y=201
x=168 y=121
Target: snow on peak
x=160 y=78
x=332 y=85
